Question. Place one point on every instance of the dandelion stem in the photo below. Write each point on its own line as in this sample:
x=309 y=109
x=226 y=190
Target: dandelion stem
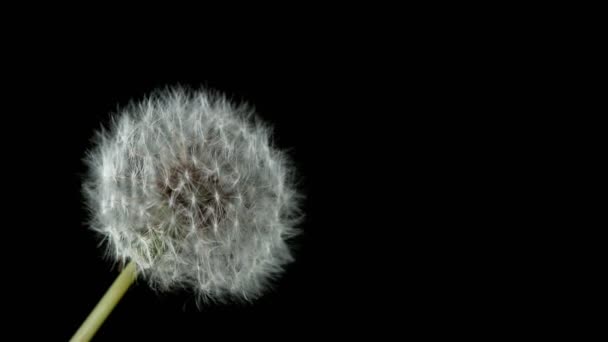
x=99 y=314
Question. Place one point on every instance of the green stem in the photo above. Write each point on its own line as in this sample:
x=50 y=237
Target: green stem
x=99 y=314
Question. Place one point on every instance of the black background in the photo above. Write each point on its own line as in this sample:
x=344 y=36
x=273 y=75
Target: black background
x=413 y=167
x=415 y=146
x=397 y=176
x=436 y=148
x=324 y=113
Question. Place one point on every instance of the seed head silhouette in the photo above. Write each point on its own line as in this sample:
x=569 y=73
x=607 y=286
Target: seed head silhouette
x=188 y=186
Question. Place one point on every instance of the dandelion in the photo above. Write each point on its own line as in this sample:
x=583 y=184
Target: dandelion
x=186 y=188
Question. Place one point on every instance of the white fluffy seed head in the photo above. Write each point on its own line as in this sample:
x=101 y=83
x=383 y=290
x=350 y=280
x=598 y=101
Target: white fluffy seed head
x=188 y=186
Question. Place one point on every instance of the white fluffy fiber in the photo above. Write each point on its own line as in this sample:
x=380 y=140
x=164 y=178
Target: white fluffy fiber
x=188 y=186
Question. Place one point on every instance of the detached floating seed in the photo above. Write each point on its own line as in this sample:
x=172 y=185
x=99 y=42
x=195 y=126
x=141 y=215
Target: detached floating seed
x=186 y=189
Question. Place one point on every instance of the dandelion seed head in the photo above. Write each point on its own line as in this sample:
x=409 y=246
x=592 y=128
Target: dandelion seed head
x=188 y=186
